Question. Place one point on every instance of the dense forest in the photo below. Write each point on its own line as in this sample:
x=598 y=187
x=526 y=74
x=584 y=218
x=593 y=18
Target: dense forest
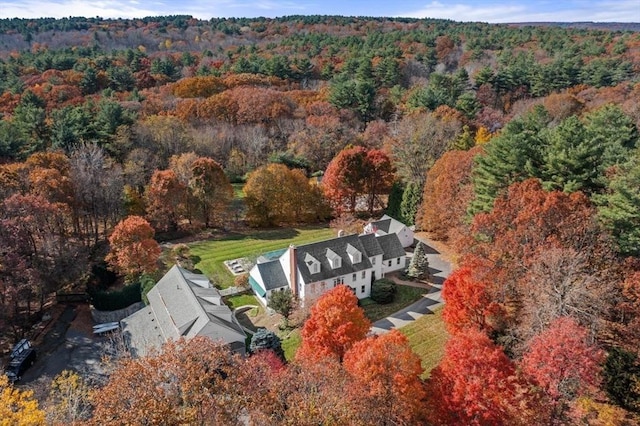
x=515 y=145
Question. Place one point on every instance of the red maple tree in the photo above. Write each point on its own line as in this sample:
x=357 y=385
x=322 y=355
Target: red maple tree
x=476 y=384
x=468 y=303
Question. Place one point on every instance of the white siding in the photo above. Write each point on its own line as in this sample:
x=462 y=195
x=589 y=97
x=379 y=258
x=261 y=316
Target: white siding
x=405 y=235
x=395 y=264
x=376 y=262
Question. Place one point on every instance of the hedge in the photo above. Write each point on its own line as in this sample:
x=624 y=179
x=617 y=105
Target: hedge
x=114 y=300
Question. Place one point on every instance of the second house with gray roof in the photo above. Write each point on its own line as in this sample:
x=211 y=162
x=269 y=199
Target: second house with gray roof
x=182 y=305
x=310 y=270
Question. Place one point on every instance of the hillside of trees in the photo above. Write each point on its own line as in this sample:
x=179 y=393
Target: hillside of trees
x=516 y=145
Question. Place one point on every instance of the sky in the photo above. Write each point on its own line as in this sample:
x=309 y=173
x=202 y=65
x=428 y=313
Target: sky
x=494 y=11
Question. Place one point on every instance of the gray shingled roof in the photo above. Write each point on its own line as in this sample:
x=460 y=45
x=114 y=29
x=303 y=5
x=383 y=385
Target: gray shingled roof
x=382 y=225
x=370 y=244
x=391 y=246
x=272 y=274
x=387 y=224
x=180 y=304
x=141 y=332
x=319 y=252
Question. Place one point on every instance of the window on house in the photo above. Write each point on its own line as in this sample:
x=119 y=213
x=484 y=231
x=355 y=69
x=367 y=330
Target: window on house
x=398 y=261
x=390 y=263
x=337 y=281
x=353 y=277
x=364 y=274
x=362 y=289
x=373 y=260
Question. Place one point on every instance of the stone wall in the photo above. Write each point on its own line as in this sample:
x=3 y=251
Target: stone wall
x=100 y=317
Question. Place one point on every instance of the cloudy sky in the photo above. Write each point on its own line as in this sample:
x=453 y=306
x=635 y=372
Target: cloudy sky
x=460 y=10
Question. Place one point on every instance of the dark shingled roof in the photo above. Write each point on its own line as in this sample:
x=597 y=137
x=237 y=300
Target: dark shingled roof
x=370 y=244
x=338 y=246
x=272 y=274
x=391 y=246
x=383 y=225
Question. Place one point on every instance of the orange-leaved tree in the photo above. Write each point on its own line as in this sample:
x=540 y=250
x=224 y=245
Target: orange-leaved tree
x=343 y=180
x=306 y=392
x=188 y=382
x=358 y=172
x=386 y=373
x=335 y=325
x=133 y=250
x=447 y=193
x=166 y=197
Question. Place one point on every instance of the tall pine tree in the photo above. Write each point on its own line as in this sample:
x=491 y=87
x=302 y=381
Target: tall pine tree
x=395 y=200
x=619 y=208
x=411 y=198
x=515 y=155
x=573 y=160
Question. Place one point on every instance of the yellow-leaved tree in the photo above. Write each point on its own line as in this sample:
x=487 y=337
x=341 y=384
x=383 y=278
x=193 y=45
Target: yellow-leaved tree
x=68 y=399
x=278 y=195
x=18 y=407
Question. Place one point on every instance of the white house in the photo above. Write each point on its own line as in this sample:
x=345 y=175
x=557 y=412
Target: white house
x=182 y=304
x=388 y=225
x=310 y=270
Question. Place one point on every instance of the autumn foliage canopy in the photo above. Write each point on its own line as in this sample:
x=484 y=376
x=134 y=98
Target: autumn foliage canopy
x=335 y=325
x=133 y=250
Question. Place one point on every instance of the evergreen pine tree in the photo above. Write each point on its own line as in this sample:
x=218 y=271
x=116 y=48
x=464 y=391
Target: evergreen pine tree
x=265 y=339
x=419 y=265
x=465 y=141
x=395 y=200
x=517 y=154
x=573 y=160
x=411 y=198
x=613 y=130
x=619 y=208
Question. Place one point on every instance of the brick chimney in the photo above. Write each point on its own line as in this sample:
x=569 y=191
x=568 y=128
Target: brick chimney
x=293 y=271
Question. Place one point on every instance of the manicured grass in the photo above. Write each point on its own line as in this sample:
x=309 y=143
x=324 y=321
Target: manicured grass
x=290 y=343
x=209 y=255
x=238 y=300
x=405 y=296
x=427 y=337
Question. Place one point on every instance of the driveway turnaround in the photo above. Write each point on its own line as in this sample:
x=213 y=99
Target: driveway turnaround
x=440 y=270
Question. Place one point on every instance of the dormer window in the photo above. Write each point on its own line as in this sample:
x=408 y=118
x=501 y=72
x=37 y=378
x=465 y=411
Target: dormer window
x=312 y=263
x=354 y=254
x=334 y=260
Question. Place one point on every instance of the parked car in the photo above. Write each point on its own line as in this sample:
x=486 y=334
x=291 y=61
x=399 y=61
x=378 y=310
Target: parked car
x=22 y=356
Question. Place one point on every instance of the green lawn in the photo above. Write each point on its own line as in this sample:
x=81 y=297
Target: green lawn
x=209 y=255
x=238 y=300
x=427 y=336
x=405 y=296
x=290 y=343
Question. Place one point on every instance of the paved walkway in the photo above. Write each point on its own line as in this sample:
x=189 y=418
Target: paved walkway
x=440 y=270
